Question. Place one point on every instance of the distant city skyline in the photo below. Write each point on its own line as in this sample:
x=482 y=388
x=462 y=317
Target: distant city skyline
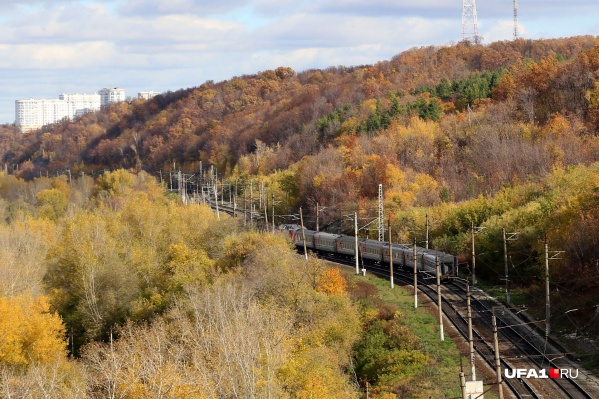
x=76 y=46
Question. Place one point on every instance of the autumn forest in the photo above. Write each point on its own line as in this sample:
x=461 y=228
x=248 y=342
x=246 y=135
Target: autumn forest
x=110 y=286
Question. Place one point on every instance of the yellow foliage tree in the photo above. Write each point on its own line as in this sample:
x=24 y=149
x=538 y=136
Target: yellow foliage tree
x=332 y=282
x=30 y=332
x=52 y=202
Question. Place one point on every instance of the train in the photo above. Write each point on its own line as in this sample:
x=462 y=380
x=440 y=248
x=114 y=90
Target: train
x=373 y=251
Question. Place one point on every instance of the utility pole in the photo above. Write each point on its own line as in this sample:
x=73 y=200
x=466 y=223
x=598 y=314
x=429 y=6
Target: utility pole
x=390 y=253
x=554 y=256
x=245 y=211
x=507 y=279
x=381 y=215
x=497 y=361
x=222 y=190
x=547 y=296
x=356 y=243
x=439 y=302
x=303 y=234
x=261 y=193
x=266 y=216
x=473 y=231
x=470 y=338
x=473 y=256
x=462 y=380
x=427 y=225
x=506 y=238
x=317 y=226
x=415 y=276
x=216 y=202
x=251 y=200
x=235 y=197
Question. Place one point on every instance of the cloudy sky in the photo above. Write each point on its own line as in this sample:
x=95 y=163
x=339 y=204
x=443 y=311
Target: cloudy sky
x=48 y=47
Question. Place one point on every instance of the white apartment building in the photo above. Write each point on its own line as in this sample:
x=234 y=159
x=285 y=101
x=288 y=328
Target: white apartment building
x=32 y=114
x=110 y=96
x=80 y=104
x=146 y=95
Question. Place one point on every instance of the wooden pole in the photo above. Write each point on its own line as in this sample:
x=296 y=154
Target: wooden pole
x=303 y=234
x=266 y=216
x=497 y=361
x=473 y=257
x=470 y=338
x=356 y=242
x=547 y=292
x=317 y=226
x=462 y=380
x=390 y=253
x=507 y=278
x=427 y=225
x=415 y=276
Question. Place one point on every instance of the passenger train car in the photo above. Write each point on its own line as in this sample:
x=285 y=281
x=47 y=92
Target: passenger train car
x=372 y=250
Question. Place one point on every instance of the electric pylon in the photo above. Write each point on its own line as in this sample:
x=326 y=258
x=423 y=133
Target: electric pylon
x=515 y=19
x=469 y=21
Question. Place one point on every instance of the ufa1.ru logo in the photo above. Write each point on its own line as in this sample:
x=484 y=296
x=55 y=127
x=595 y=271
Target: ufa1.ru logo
x=532 y=373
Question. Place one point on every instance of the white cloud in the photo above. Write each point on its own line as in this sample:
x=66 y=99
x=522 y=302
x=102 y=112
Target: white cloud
x=170 y=7
x=81 y=55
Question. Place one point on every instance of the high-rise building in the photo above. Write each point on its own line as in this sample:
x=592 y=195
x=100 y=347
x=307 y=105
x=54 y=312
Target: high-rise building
x=32 y=114
x=146 y=95
x=110 y=96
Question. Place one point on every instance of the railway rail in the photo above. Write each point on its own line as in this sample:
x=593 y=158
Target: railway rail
x=520 y=387
x=521 y=347
x=512 y=332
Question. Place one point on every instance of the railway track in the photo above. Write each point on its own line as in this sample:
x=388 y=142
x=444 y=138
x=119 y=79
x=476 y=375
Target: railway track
x=519 y=345
x=451 y=309
x=524 y=342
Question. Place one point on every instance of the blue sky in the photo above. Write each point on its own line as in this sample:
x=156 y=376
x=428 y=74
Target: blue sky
x=48 y=47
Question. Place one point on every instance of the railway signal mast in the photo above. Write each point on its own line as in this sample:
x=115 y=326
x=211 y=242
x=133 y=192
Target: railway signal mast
x=470 y=21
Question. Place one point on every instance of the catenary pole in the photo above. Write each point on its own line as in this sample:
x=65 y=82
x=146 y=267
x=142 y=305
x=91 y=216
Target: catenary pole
x=439 y=299
x=356 y=242
x=470 y=338
x=415 y=276
x=390 y=253
x=303 y=234
x=507 y=278
x=547 y=292
x=497 y=359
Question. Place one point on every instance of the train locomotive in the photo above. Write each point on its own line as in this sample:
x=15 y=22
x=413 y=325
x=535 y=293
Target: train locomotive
x=372 y=251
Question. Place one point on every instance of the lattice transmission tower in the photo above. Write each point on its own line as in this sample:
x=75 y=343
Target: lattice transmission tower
x=515 y=19
x=469 y=21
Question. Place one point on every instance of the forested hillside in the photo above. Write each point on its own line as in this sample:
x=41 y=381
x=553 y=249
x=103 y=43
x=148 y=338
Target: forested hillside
x=502 y=136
